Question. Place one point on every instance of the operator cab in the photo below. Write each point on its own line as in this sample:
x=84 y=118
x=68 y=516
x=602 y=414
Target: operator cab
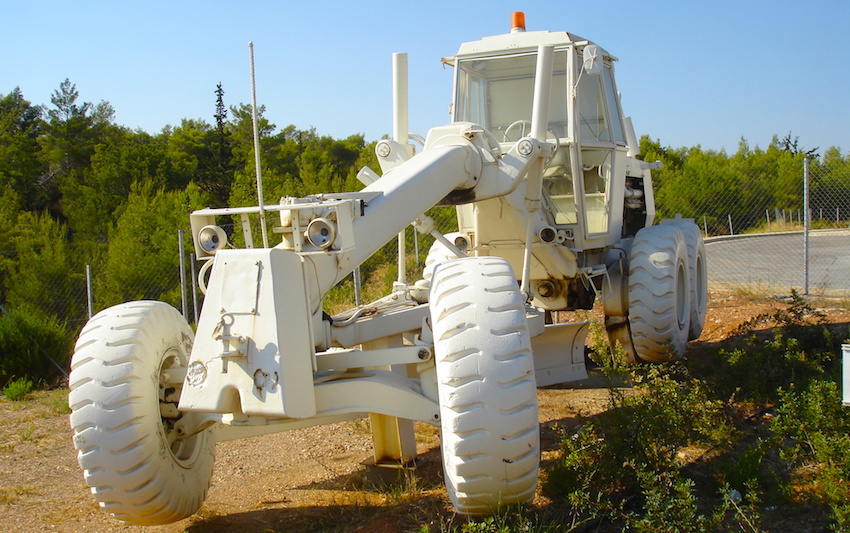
x=494 y=87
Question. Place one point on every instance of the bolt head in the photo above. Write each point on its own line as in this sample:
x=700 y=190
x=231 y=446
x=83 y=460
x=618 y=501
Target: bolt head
x=383 y=149
x=525 y=148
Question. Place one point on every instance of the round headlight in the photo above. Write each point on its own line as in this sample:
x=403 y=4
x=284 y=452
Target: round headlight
x=211 y=239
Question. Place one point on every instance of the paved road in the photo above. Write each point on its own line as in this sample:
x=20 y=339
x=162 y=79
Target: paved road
x=775 y=261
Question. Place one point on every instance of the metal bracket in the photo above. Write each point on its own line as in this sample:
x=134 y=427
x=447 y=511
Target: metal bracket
x=343 y=359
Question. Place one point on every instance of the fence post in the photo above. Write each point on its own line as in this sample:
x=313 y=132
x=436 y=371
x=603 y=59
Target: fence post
x=89 y=297
x=806 y=226
x=416 y=246
x=194 y=285
x=182 y=272
x=767 y=214
x=731 y=232
x=357 y=288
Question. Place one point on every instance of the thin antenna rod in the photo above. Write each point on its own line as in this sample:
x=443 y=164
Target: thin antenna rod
x=257 y=148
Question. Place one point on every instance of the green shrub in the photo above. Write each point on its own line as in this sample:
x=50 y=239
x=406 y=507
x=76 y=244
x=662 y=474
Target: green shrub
x=623 y=464
x=18 y=389
x=696 y=445
x=33 y=346
x=757 y=371
x=798 y=348
x=509 y=520
x=815 y=428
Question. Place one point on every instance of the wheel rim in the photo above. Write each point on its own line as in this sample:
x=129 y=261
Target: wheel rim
x=184 y=449
x=682 y=309
x=701 y=289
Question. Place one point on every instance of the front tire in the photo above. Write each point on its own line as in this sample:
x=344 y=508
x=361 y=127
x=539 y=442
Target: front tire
x=486 y=385
x=126 y=378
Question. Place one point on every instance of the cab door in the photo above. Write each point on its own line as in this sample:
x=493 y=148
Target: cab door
x=599 y=169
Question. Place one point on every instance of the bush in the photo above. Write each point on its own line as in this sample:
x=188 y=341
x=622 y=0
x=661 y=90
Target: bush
x=758 y=371
x=816 y=431
x=624 y=465
x=755 y=423
x=33 y=346
x=799 y=348
x=18 y=389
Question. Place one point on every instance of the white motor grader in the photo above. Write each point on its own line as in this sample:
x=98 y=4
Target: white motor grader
x=554 y=212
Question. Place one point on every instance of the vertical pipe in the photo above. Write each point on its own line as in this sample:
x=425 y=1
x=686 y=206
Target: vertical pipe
x=542 y=90
x=181 y=252
x=402 y=259
x=767 y=214
x=194 y=285
x=400 y=125
x=89 y=296
x=729 y=217
x=539 y=125
x=400 y=135
x=705 y=225
x=806 y=226
x=257 y=149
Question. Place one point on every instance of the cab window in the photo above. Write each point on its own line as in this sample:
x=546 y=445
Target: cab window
x=498 y=93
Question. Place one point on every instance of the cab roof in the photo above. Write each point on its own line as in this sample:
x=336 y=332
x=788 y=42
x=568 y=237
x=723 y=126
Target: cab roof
x=518 y=41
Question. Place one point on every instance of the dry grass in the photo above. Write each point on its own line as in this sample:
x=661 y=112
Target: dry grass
x=16 y=493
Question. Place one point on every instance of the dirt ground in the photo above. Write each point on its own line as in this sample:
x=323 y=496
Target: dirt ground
x=303 y=480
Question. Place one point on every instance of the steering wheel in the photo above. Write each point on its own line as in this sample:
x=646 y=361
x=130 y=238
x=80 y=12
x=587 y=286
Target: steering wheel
x=524 y=127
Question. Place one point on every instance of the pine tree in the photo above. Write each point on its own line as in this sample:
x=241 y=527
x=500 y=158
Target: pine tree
x=216 y=171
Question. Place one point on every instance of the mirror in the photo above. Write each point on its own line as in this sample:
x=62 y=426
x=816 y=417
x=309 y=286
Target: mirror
x=592 y=60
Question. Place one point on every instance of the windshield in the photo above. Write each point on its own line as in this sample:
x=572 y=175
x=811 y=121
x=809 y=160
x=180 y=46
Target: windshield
x=498 y=93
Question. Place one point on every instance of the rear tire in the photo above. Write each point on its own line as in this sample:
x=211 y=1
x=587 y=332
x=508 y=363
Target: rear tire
x=697 y=272
x=659 y=293
x=125 y=385
x=486 y=385
x=698 y=275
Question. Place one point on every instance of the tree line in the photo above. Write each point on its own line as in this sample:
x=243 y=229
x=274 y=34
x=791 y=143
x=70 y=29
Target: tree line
x=750 y=186
x=78 y=189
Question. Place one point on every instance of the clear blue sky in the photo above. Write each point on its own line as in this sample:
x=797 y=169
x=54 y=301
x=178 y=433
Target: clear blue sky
x=690 y=73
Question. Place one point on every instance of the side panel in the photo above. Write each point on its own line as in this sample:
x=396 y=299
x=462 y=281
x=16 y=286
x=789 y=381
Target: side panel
x=254 y=347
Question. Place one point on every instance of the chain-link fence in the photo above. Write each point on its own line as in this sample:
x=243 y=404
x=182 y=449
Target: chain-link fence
x=769 y=228
x=72 y=289
x=179 y=286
